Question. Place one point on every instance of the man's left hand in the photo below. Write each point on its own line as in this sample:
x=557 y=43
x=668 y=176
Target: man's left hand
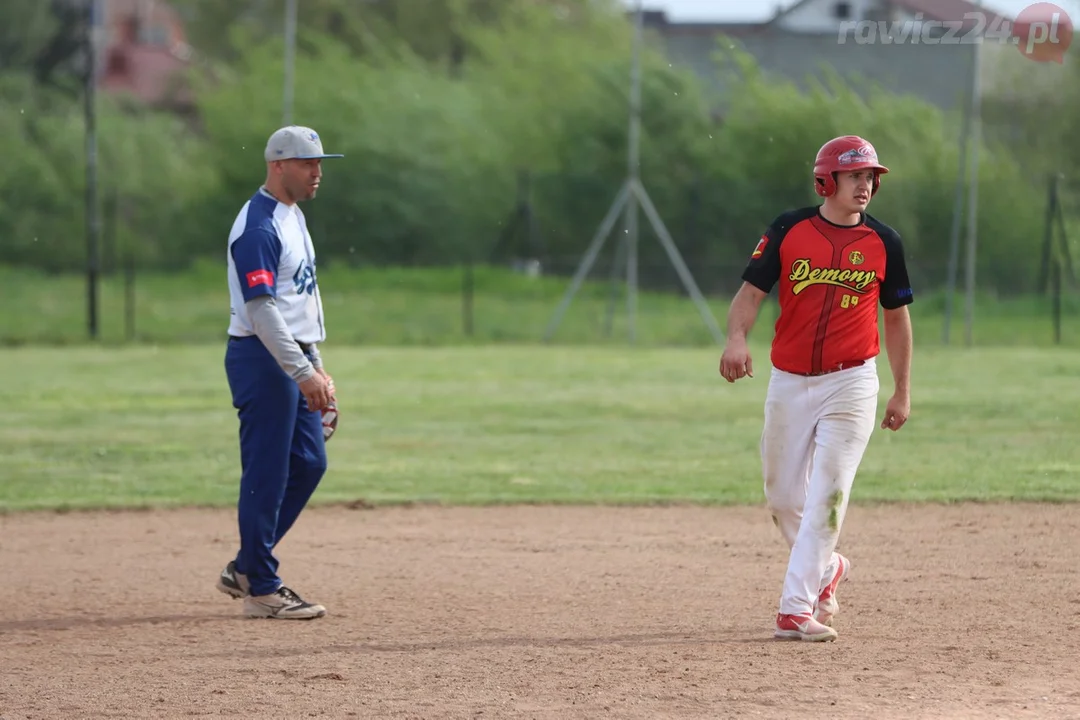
x=329 y=382
x=896 y=412
x=330 y=414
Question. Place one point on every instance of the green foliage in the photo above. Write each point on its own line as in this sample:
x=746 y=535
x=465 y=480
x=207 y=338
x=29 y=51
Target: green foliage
x=439 y=104
x=773 y=132
x=25 y=29
x=1034 y=108
x=45 y=39
x=39 y=194
x=149 y=162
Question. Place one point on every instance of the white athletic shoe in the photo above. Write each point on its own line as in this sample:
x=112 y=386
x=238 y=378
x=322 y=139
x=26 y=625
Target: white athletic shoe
x=827 y=606
x=284 y=604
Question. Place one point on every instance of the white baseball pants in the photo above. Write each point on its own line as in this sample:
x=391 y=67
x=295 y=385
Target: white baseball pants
x=816 y=431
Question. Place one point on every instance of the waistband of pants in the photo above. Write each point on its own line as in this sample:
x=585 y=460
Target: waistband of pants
x=304 y=347
x=846 y=365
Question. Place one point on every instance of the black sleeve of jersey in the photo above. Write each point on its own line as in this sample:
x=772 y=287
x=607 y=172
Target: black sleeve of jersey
x=895 y=289
x=763 y=269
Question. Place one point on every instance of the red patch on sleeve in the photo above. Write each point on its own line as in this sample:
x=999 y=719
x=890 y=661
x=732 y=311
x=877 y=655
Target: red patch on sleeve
x=259 y=277
x=760 y=247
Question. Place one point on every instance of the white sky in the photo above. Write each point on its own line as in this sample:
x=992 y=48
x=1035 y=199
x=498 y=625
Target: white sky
x=751 y=10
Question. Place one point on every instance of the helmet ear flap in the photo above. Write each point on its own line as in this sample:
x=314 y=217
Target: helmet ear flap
x=826 y=184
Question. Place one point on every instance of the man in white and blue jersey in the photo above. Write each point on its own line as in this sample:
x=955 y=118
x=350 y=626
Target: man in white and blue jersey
x=275 y=372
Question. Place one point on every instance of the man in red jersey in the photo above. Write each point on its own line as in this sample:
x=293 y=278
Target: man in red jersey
x=834 y=264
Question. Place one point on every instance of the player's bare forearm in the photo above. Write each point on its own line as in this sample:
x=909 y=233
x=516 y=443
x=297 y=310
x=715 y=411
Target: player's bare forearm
x=743 y=312
x=736 y=362
x=898 y=345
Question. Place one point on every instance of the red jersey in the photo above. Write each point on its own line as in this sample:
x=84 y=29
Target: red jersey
x=832 y=278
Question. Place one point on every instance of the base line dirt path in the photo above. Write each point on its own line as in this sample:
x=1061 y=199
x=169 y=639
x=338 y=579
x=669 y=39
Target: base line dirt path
x=965 y=611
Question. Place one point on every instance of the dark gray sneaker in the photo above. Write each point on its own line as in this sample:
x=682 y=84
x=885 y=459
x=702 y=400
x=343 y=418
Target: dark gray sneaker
x=233 y=583
x=283 y=604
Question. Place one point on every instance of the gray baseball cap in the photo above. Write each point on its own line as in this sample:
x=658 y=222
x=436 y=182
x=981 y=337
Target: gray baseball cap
x=295 y=143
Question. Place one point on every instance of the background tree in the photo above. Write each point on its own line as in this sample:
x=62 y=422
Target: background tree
x=438 y=112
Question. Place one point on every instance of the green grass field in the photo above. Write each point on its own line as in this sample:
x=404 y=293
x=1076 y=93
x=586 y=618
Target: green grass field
x=153 y=426
x=395 y=307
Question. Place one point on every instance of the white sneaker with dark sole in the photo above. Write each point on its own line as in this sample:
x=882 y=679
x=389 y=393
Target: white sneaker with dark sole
x=284 y=604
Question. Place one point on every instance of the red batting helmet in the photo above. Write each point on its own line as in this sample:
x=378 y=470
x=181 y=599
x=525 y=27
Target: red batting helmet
x=845 y=154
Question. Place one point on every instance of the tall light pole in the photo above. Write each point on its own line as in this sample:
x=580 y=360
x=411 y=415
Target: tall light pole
x=969 y=143
x=290 y=60
x=92 y=21
x=633 y=169
x=958 y=213
x=973 y=192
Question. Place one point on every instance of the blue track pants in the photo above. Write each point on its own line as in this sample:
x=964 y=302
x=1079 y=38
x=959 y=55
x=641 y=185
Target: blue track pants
x=282 y=456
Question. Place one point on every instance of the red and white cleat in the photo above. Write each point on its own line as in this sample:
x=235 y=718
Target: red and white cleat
x=802 y=627
x=826 y=604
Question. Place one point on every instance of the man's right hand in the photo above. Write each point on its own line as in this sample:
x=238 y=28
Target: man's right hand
x=316 y=391
x=735 y=363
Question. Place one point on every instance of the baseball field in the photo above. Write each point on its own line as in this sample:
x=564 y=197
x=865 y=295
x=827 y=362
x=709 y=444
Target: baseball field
x=534 y=532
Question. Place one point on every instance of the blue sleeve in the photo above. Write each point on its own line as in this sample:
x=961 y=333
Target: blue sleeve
x=256 y=255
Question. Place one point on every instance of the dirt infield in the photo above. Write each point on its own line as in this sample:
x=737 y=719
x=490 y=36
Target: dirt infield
x=540 y=612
